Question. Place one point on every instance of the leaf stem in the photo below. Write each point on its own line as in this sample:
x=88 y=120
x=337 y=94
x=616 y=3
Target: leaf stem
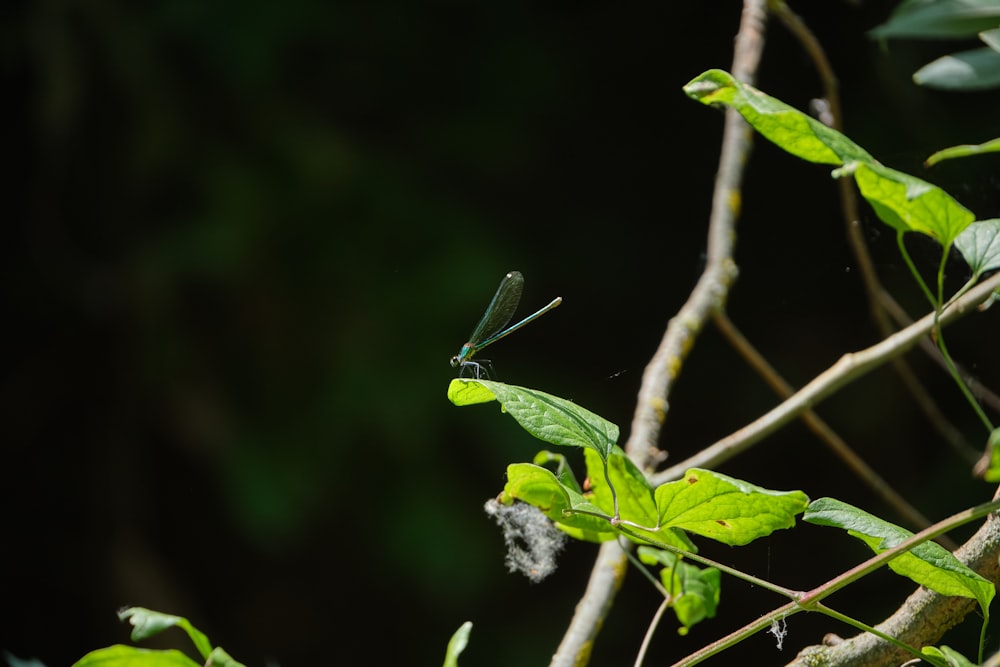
x=611 y=487
x=966 y=392
x=848 y=368
x=646 y=573
x=843 y=618
x=811 y=601
x=749 y=578
x=935 y=303
x=648 y=637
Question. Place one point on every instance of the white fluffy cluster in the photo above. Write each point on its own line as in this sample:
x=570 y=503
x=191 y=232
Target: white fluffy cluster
x=533 y=543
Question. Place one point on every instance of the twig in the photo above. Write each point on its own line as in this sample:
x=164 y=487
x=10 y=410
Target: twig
x=709 y=294
x=979 y=554
x=984 y=393
x=922 y=619
x=823 y=431
x=848 y=368
x=852 y=221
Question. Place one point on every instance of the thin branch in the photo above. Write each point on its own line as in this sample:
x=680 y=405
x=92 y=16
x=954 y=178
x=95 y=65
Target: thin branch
x=848 y=368
x=982 y=392
x=708 y=297
x=709 y=294
x=823 y=431
x=978 y=553
x=648 y=637
x=852 y=221
x=921 y=620
x=606 y=578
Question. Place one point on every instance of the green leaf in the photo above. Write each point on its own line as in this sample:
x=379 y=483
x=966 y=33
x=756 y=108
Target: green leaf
x=636 y=503
x=14 y=661
x=972 y=70
x=911 y=205
x=901 y=201
x=146 y=623
x=945 y=656
x=587 y=516
x=563 y=471
x=549 y=418
x=726 y=509
x=694 y=591
x=979 y=244
x=992 y=473
x=928 y=564
x=991 y=38
x=129 y=656
x=466 y=392
x=965 y=150
x=635 y=494
x=457 y=644
x=219 y=658
x=790 y=129
x=941 y=19
x=539 y=487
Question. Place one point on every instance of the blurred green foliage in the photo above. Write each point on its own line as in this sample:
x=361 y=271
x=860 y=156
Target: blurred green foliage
x=235 y=223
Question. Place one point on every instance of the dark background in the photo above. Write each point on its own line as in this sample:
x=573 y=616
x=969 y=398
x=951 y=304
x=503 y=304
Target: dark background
x=245 y=238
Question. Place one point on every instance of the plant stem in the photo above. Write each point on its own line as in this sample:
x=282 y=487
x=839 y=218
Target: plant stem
x=848 y=368
x=935 y=303
x=811 y=601
x=780 y=590
x=737 y=636
x=648 y=638
x=823 y=431
x=953 y=371
x=843 y=618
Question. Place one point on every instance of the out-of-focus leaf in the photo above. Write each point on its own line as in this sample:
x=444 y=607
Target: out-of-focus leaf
x=129 y=656
x=939 y=19
x=976 y=69
x=14 y=661
x=457 y=644
x=991 y=38
x=219 y=658
x=992 y=473
x=147 y=623
x=965 y=150
x=946 y=656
